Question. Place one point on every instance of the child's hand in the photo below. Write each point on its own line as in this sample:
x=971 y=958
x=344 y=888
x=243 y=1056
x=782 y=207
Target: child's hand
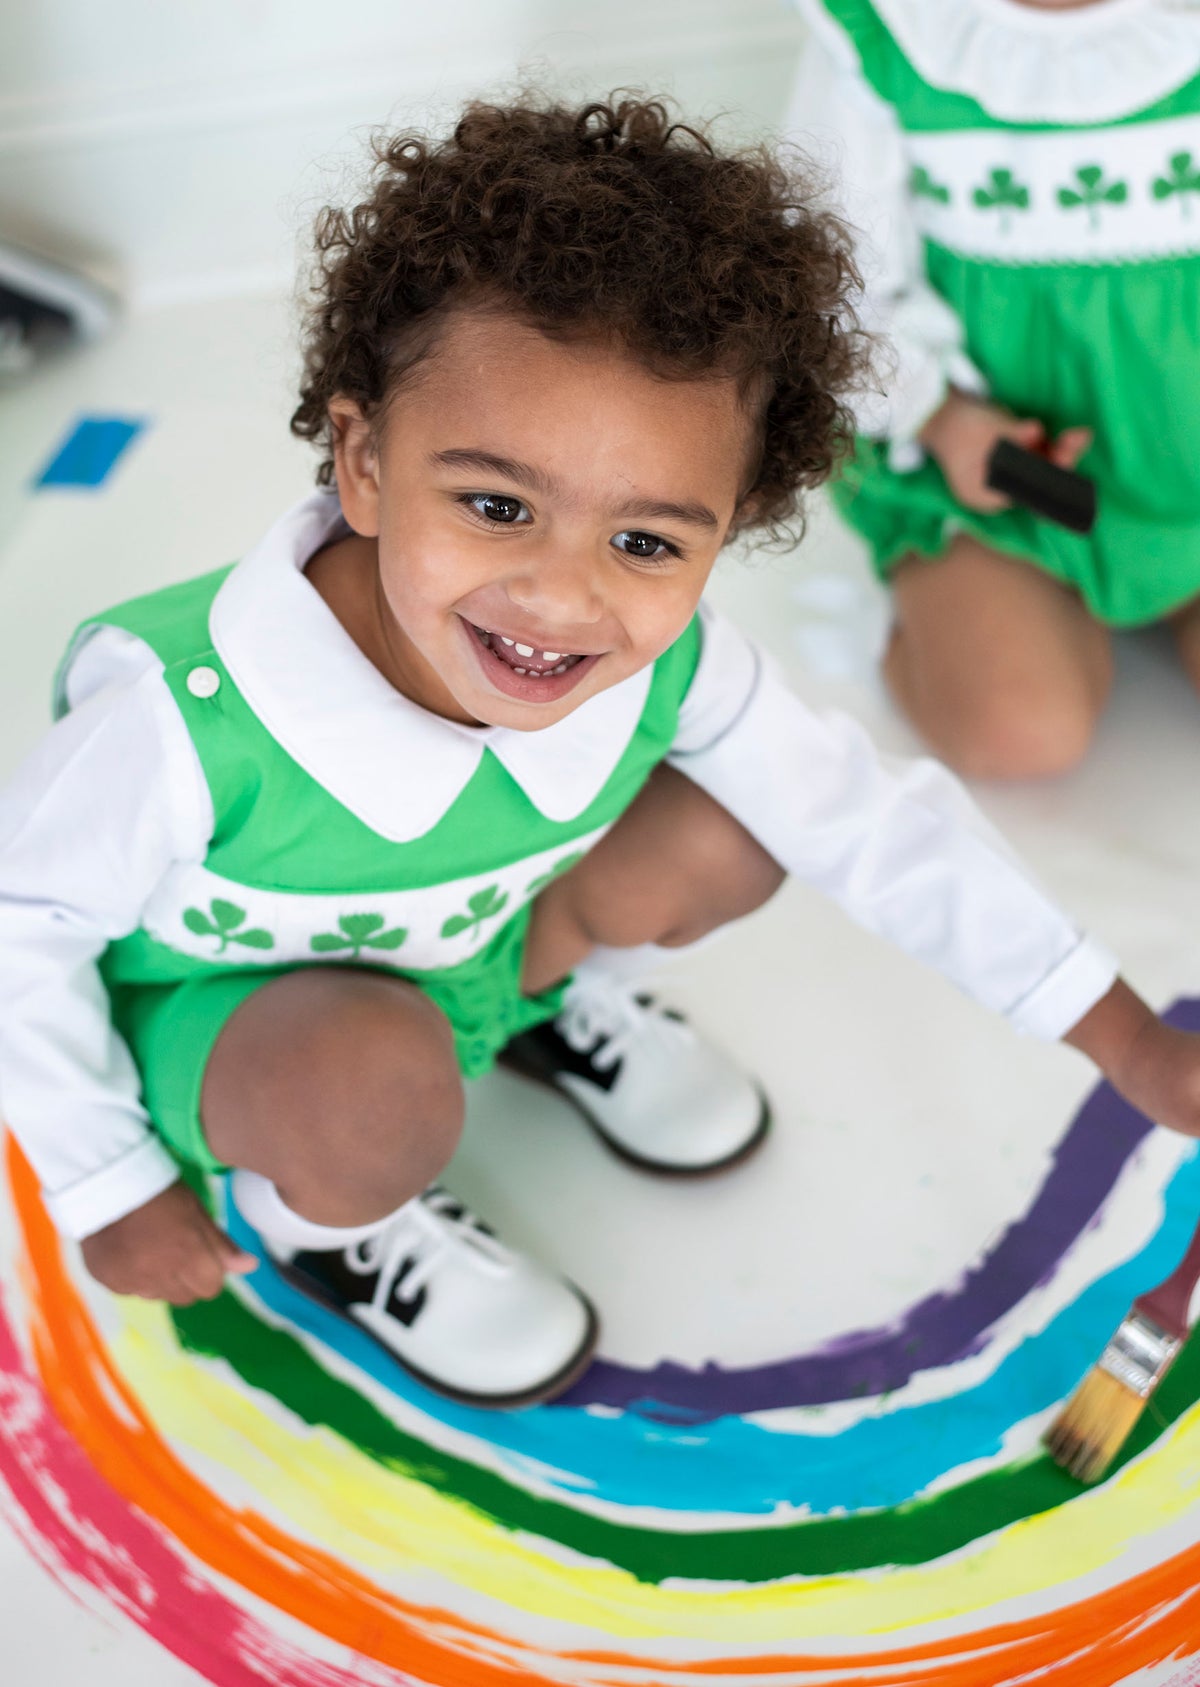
x=960 y=436
x=1154 y=1066
x=168 y=1249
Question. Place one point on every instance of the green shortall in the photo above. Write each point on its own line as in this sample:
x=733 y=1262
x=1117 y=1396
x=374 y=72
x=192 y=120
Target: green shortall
x=172 y=1029
x=293 y=878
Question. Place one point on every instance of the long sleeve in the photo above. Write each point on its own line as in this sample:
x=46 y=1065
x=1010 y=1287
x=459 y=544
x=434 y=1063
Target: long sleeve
x=899 y=845
x=88 y=826
x=853 y=134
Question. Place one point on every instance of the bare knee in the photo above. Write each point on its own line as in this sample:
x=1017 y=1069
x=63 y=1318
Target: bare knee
x=1021 y=735
x=1001 y=668
x=340 y=1085
x=720 y=873
x=676 y=866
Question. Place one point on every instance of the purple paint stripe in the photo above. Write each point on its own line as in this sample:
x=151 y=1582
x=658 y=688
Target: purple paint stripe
x=940 y=1330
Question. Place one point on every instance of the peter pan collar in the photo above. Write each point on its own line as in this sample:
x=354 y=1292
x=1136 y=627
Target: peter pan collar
x=395 y=765
x=1025 y=65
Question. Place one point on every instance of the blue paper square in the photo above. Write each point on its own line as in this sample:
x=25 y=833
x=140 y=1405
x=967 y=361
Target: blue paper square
x=90 y=452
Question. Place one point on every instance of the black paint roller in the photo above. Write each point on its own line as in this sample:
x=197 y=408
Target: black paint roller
x=1061 y=495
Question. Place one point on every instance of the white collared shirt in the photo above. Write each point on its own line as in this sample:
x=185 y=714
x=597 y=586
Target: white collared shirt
x=114 y=798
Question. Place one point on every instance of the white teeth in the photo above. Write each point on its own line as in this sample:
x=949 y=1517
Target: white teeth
x=524 y=649
x=561 y=669
x=552 y=655
x=521 y=671
x=508 y=641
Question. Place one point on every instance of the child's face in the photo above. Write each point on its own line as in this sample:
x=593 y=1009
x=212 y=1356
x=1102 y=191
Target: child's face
x=535 y=504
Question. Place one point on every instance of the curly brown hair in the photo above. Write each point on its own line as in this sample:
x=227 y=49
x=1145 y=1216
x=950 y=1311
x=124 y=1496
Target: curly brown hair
x=612 y=219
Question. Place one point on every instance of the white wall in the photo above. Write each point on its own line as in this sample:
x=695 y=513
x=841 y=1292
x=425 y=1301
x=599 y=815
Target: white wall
x=181 y=147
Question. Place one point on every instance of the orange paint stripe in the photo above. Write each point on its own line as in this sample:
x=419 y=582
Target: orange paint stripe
x=1152 y=1617
x=96 y=1406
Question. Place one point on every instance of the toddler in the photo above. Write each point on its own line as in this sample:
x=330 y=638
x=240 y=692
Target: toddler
x=1024 y=174
x=319 y=836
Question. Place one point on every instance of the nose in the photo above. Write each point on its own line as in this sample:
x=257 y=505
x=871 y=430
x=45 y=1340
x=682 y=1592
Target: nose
x=560 y=590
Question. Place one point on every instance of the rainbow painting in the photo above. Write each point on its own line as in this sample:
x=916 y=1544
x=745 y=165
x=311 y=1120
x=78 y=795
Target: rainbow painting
x=254 y=1485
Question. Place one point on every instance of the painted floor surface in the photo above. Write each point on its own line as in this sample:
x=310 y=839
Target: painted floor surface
x=809 y=1452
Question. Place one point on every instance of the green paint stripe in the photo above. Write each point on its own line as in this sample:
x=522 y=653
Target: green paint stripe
x=274 y=1361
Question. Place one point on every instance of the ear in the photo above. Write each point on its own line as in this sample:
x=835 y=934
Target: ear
x=356 y=464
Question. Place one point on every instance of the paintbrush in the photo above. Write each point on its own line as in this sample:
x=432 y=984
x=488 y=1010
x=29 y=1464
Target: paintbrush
x=1095 y=1423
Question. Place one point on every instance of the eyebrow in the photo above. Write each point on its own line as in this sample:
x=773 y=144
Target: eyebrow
x=694 y=514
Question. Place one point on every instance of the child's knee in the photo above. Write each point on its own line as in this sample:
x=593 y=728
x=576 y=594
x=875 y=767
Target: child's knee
x=393 y=1088
x=677 y=866
x=357 y=1089
x=1031 y=734
x=722 y=874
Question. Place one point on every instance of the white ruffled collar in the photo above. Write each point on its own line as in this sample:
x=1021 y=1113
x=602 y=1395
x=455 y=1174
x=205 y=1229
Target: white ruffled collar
x=1024 y=64
x=391 y=762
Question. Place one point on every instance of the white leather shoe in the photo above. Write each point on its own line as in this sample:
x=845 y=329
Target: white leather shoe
x=658 y=1093
x=466 y=1315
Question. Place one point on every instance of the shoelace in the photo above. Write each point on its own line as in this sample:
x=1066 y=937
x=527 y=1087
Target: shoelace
x=427 y=1232
x=606 y=1012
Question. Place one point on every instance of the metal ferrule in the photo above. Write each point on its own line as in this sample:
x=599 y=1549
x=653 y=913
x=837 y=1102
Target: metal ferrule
x=1139 y=1354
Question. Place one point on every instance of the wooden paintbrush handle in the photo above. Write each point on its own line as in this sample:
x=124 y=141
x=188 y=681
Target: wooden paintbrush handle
x=1168 y=1303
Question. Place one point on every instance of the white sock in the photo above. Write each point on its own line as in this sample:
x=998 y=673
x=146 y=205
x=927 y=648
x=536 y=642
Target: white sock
x=264 y=1209
x=642 y=960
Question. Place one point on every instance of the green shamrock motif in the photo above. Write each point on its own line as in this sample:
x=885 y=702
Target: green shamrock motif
x=922 y=186
x=357 y=932
x=1092 y=192
x=1182 y=179
x=556 y=872
x=221 y=921
x=1004 y=193
x=484 y=905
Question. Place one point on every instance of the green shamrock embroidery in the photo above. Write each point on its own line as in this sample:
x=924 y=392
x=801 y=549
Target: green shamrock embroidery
x=1183 y=179
x=484 y=905
x=558 y=869
x=922 y=186
x=1002 y=192
x=357 y=932
x=222 y=920
x=1093 y=191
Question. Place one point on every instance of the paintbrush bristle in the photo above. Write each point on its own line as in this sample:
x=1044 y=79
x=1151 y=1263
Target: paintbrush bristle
x=1094 y=1425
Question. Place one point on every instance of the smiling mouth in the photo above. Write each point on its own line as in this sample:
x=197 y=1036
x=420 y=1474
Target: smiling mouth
x=523 y=659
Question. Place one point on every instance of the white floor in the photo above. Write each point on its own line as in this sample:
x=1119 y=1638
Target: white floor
x=911 y=1127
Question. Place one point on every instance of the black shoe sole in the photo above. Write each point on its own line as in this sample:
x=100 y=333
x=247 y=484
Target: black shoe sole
x=548 y=1390
x=514 y=1063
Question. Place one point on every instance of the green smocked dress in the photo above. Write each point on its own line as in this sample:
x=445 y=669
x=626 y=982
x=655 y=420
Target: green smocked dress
x=1070 y=252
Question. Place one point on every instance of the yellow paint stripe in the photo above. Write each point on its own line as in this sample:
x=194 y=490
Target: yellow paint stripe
x=389 y=1524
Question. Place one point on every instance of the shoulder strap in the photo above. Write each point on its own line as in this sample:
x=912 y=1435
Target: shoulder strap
x=172 y=621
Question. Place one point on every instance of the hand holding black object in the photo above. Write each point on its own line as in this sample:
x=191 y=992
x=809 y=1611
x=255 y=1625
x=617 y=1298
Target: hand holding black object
x=1061 y=495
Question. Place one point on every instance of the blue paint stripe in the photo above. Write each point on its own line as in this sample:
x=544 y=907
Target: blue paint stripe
x=742 y=1467
x=89 y=453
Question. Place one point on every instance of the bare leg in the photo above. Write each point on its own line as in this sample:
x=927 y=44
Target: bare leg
x=342 y=1087
x=1185 y=625
x=1001 y=669
x=675 y=866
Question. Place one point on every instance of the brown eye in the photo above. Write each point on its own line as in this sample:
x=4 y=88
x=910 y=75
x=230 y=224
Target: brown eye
x=494 y=506
x=647 y=547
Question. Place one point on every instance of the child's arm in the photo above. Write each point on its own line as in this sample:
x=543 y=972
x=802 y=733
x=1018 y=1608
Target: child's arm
x=88 y=826
x=899 y=845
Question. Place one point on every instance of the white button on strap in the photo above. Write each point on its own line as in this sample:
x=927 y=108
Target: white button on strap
x=204 y=682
